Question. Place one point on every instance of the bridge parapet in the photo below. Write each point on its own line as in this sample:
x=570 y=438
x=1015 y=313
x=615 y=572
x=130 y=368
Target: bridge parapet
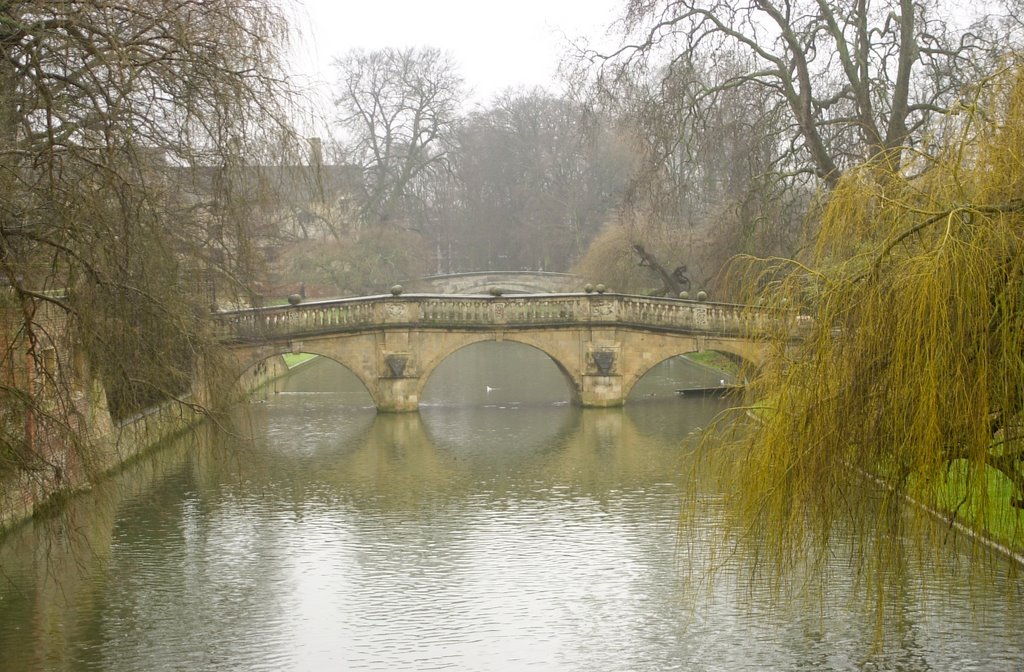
x=451 y=311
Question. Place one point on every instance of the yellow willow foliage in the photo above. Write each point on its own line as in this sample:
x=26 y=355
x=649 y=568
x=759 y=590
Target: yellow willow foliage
x=899 y=391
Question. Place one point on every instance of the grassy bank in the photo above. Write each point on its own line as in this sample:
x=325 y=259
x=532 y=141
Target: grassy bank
x=293 y=360
x=983 y=502
x=714 y=360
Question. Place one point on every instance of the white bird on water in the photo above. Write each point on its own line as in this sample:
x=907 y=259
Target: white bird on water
x=489 y=388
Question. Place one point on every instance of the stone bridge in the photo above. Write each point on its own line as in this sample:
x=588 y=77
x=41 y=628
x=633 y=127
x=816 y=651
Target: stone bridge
x=602 y=343
x=509 y=282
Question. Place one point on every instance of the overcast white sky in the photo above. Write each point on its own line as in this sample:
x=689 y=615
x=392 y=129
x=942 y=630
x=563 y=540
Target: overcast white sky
x=496 y=44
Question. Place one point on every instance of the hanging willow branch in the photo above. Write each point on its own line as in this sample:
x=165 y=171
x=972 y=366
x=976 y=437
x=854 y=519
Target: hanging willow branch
x=127 y=130
x=910 y=371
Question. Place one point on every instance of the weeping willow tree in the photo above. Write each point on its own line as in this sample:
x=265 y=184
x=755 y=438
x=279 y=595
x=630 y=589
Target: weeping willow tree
x=126 y=130
x=892 y=406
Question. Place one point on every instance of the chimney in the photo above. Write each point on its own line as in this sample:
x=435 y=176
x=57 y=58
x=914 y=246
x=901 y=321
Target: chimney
x=316 y=162
x=316 y=153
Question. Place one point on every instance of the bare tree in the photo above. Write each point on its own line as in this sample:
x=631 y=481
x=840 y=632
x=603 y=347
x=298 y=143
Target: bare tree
x=854 y=81
x=537 y=176
x=706 y=186
x=122 y=124
x=399 y=108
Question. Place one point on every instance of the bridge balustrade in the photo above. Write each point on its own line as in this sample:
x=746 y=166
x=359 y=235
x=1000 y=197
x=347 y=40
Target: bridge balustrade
x=486 y=312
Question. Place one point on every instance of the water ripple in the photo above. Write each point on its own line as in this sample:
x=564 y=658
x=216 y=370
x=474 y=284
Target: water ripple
x=535 y=537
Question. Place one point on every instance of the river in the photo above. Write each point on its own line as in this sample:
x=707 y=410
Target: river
x=498 y=529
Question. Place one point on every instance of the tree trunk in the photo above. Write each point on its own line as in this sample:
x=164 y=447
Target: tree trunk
x=673 y=282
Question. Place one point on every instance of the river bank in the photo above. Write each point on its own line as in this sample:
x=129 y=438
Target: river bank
x=114 y=445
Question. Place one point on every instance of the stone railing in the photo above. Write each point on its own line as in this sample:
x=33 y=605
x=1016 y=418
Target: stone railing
x=451 y=311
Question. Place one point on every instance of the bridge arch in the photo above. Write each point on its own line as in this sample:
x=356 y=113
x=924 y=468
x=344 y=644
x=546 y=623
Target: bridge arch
x=736 y=351
x=268 y=375
x=248 y=360
x=470 y=339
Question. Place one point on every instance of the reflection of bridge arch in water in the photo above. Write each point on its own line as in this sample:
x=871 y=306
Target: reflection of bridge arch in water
x=405 y=461
x=603 y=344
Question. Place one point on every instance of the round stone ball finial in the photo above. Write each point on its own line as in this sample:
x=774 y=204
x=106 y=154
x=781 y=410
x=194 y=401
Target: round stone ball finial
x=702 y=295
x=588 y=288
x=684 y=294
x=396 y=290
x=601 y=289
x=294 y=299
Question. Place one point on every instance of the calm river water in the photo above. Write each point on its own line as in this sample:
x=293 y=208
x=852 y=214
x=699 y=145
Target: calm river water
x=499 y=529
